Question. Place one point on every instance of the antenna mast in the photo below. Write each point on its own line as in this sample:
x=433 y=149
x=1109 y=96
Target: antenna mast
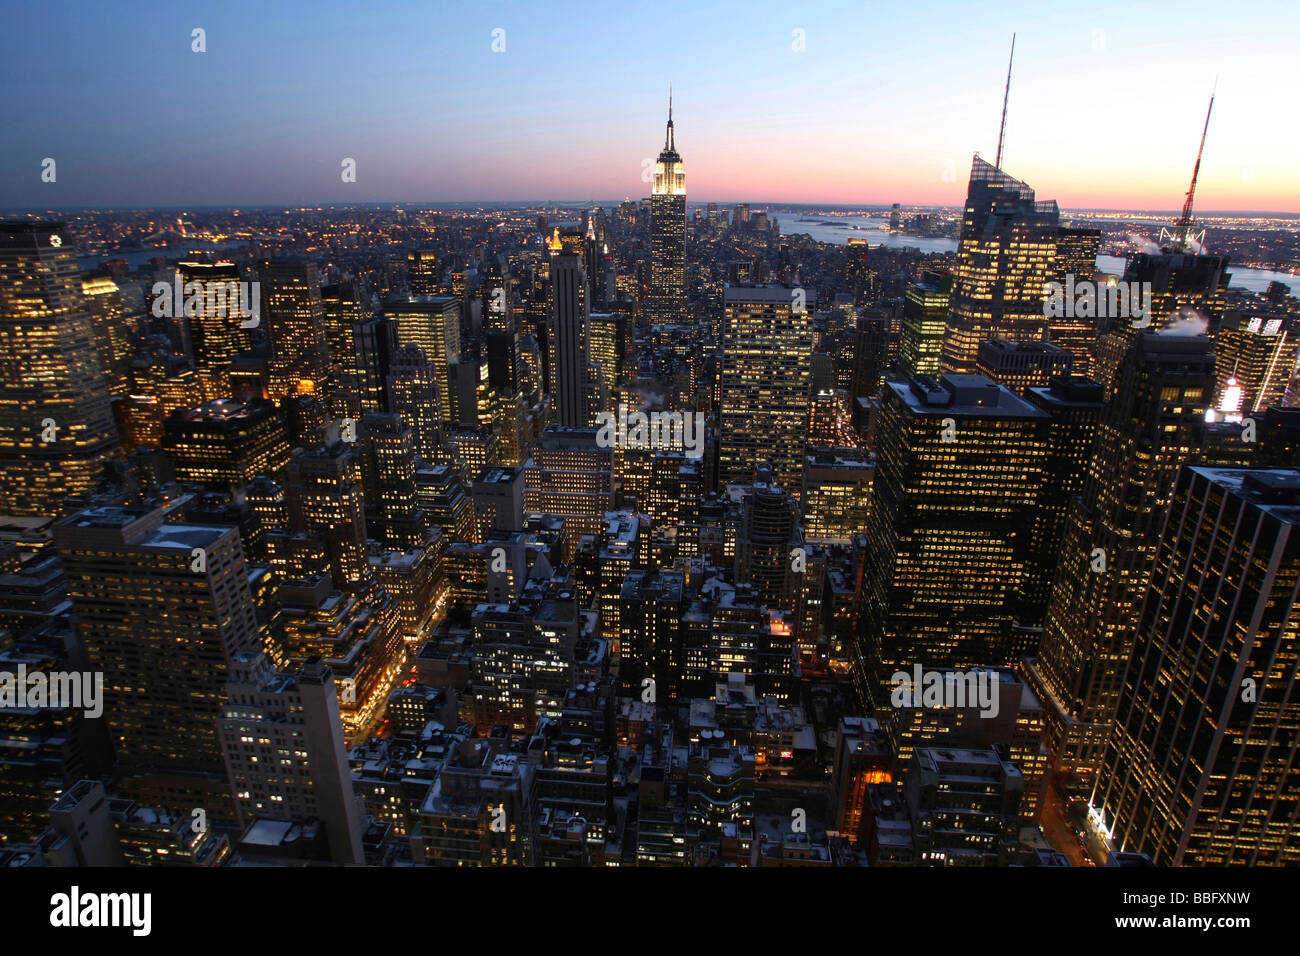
x=1005 y=96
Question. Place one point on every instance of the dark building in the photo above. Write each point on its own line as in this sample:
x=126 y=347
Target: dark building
x=1201 y=761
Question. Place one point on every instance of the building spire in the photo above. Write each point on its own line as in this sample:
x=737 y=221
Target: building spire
x=668 y=139
x=1006 y=95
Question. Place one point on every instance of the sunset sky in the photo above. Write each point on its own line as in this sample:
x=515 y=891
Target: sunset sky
x=886 y=102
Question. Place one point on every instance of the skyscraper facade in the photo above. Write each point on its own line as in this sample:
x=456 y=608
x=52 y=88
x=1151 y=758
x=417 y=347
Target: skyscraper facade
x=667 y=302
x=1202 y=757
x=960 y=471
x=56 y=426
x=1005 y=258
x=1154 y=425
x=570 y=334
x=295 y=328
x=164 y=609
x=766 y=379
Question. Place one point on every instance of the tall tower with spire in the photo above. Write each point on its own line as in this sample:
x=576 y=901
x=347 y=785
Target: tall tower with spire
x=667 y=303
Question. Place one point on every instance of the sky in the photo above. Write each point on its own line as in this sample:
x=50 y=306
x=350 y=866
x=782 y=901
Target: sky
x=853 y=103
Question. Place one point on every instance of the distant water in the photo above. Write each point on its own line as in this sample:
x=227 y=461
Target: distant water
x=874 y=229
x=1252 y=280
x=139 y=257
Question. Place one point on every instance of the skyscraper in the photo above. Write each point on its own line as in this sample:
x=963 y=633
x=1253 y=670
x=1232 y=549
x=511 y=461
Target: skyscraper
x=1076 y=255
x=388 y=468
x=960 y=470
x=323 y=493
x=568 y=474
x=346 y=318
x=295 y=329
x=112 y=331
x=1075 y=406
x=433 y=324
x=1154 y=425
x=423 y=275
x=225 y=444
x=1200 y=768
x=282 y=737
x=1005 y=258
x=1020 y=365
x=1255 y=357
x=667 y=302
x=570 y=336
x=925 y=317
x=164 y=609
x=766 y=381
x=1184 y=288
x=215 y=333
x=413 y=393
x=56 y=425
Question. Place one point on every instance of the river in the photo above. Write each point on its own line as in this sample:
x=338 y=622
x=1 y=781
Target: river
x=875 y=230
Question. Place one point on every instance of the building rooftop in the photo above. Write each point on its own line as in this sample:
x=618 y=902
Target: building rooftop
x=968 y=395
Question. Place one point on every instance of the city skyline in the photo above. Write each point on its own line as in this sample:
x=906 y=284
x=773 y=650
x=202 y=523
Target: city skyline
x=799 y=114
x=669 y=531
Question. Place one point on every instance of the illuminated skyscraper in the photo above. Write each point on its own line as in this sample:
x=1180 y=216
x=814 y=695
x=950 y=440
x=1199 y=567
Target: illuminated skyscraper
x=164 y=610
x=836 y=492
x=212 y=315
x=282 y=736
x=768 y=532
x=1255 y=357
x=766 y=380
x=1005 y=258
x=433 y=324
x=161 y=384
x=1076 y=255
x=1200 y=768
x=413 y=393
x=324 y=499
x=960 y=470
x=1185 y=288
x=56 y=425
x=1020 y=365
x=606 y=336
x=501 y=329
x=925 y=317
x=295 y=329
x=388 y=468
x=346 y=317
x=569 y=475
x=667 y=302
x=1152 y=427
x=423 y=276
x=1075 y=406
x=857 y=275
x=112 y=332
x=225 y=444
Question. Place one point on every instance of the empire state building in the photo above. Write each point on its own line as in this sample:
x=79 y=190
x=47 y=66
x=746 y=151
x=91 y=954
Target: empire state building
x=667 y=303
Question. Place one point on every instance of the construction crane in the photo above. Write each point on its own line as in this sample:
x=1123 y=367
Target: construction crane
x=1182 y=237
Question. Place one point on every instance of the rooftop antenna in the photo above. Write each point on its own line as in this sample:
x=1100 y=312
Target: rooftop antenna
x=1005 y=96
x=668 y=139
x=1183 y=236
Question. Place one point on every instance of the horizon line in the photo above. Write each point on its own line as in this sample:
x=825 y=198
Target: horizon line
x=584 y=204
